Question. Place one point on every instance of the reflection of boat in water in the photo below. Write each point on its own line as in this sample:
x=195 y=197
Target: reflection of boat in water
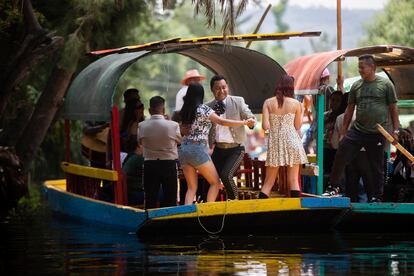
x=90 y=98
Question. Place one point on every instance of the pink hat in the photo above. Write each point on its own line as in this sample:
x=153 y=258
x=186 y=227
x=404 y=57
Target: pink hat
x=325 y=73
x=193 y=73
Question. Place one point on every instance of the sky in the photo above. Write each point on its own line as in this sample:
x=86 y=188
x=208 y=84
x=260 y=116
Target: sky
x=346 y=4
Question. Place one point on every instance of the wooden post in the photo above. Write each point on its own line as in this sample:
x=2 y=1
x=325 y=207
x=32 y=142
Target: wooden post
x=67 y=140
x=116 y=157
x=339 y=37
x=259 y=24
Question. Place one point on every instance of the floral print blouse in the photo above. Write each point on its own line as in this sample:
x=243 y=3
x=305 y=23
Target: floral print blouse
x=201 y=125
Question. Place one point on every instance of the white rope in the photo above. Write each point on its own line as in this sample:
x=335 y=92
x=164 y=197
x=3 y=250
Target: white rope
x=222 y=221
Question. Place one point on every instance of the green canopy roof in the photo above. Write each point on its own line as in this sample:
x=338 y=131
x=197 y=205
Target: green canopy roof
x=250 y=74
x=90 y=96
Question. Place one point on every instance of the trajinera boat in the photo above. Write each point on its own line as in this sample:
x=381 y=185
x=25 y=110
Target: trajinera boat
x=90 y=98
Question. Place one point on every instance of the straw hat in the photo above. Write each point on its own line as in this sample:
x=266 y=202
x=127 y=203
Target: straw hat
x=193 y=73
x=325 y=73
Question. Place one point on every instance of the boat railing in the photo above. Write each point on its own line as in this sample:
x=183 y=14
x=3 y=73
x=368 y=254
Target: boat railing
x=88 y=181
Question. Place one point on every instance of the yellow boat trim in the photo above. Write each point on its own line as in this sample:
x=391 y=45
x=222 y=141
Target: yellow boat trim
x=58 y=184
x=175 y=41
x=241 y=207
x=89 y=171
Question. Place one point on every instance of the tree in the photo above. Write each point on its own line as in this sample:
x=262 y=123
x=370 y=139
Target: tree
x=88 y=25
x=394 y=25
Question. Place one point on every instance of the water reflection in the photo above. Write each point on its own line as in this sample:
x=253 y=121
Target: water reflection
x=44 y=244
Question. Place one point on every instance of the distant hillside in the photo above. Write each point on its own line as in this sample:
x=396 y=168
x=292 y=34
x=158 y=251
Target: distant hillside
x=313 y=19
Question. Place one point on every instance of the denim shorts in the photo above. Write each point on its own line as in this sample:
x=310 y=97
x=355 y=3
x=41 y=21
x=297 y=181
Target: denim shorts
x=193 y=154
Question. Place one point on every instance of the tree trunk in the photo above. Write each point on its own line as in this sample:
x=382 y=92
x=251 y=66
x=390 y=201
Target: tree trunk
x=47 y=106
x=37 y=43
x=15 y=127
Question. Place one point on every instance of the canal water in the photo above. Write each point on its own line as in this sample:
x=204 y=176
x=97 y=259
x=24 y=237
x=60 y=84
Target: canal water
x=45 y=244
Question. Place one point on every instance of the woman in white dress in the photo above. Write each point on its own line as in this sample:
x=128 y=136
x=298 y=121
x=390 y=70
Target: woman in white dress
x=282 y=117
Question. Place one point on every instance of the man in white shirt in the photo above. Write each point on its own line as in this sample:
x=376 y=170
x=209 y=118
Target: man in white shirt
x=190 y=76
x=159 y=138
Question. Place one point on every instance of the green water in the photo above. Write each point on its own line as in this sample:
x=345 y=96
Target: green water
x=46 y=244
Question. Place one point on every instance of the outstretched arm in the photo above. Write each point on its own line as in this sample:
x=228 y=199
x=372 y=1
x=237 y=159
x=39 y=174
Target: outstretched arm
x=226 y=122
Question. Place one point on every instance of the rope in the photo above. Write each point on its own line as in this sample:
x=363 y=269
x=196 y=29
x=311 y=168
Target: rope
x=222 y=221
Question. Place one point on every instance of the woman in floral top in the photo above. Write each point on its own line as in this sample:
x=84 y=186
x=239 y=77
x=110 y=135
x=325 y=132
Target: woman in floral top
x=193 y=153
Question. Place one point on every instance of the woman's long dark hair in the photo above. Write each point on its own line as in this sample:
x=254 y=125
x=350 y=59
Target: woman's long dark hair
x=284 y=88
x=129 y=114
x=192 y=99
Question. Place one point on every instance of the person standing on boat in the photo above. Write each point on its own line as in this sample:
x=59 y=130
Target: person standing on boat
x=374 y=98
x=129 y=94
x=197 y=118
x=228 y=141
x=282 y=117
x=191 y=76
x=159 y=138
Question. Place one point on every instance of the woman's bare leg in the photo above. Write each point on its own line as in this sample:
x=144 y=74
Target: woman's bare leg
x=191 y=177
x=209 y=172
x=271 y=174
x=292 y=177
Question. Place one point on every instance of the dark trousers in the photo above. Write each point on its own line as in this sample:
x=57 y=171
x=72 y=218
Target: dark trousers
x=159 y=173
x=227 y=161
x=348 y=151
x=354 y=172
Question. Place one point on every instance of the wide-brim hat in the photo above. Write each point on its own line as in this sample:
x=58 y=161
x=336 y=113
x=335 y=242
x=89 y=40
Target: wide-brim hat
x=193 y=73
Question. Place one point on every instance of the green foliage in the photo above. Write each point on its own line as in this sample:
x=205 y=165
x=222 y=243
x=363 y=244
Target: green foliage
x=394 y=25
x=29 y=204
x=99 y=24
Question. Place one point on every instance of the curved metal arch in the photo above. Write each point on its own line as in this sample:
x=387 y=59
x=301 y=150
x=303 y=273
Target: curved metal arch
x=249 y=73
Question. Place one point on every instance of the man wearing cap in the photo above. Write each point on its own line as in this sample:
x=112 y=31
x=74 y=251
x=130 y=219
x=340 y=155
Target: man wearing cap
x=228 y=142
x=190 y=76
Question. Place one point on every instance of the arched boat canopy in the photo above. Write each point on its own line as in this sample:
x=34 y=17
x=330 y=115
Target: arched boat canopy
x=249 y=73
x=90 y=95
x=396 y=61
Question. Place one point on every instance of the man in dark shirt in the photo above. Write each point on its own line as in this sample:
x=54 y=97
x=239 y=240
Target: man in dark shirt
x=374 y=98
